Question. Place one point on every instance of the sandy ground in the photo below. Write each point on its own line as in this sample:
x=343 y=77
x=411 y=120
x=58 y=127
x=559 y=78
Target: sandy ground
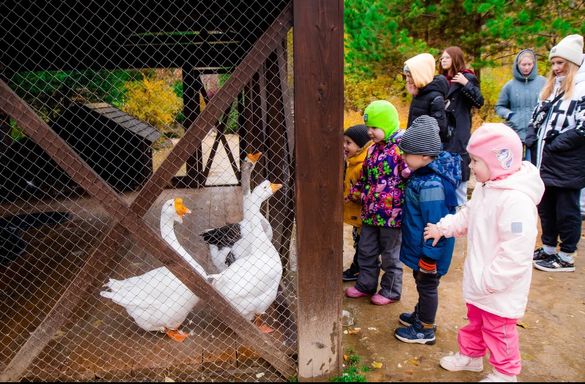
x=551 y=332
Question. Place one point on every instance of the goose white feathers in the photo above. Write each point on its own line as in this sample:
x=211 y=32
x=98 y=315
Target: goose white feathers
x=225 y=242
x=157 y=300
x=251 y=282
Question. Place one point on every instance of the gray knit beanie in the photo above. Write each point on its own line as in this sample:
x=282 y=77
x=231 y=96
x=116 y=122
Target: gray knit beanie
x=422 y=137
x=359 y=134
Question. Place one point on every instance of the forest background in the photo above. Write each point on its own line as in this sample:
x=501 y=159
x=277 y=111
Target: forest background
x=379 y=36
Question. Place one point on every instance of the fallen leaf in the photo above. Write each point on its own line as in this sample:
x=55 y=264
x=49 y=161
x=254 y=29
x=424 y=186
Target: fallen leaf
x=377 y=365
x=259 y=375
x=345 y=357
x=414 y=361
x=526 y=356
x=169 y=380
x=58 y=334
x=522 y=324
x=97 y=323
x=353 y=331
x=372 y=329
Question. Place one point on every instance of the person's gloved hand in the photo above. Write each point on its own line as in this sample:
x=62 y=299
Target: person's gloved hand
x=551 y=135
x=427 y=265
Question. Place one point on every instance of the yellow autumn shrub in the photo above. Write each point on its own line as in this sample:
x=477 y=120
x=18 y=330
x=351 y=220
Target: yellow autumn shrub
x=153 y=101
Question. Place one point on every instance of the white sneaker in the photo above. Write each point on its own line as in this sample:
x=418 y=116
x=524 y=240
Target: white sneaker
x=459 y=362
x=498 y=377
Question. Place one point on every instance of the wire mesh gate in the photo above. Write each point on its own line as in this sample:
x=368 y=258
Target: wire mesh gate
x=115 y=116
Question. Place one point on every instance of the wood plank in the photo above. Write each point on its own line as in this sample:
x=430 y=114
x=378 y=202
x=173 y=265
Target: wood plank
x=192 y=90
x=234 y=207
x=281 y=213
x=318 y=104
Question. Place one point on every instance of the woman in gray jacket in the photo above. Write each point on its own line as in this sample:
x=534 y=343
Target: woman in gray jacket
x=520 y=95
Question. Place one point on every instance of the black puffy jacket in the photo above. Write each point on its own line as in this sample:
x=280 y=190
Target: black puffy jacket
x=460 y=99
x=430 y=100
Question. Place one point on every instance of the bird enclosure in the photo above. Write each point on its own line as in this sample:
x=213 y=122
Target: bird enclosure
x=151 y=219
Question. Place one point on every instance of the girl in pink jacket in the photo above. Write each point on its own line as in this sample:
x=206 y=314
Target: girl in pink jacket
x=500 y=222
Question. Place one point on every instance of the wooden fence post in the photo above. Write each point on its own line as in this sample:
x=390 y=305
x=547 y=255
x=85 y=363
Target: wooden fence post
x=318 y=90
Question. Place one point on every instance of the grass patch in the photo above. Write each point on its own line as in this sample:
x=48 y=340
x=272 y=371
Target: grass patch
x=353 y=372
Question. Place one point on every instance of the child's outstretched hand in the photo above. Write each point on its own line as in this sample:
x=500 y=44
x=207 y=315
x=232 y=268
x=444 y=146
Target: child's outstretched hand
x=432 y=232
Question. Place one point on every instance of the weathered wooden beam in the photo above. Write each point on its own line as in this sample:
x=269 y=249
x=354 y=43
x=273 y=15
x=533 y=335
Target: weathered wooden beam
x=278 y=156
x=130 y=218
x=318 y=79
x=192 y=90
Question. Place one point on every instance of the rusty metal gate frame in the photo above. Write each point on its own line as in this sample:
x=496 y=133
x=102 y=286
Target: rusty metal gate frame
x=129 y=219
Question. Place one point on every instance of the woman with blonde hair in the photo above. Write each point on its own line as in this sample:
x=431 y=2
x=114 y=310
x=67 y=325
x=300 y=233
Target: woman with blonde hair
x=557 y=133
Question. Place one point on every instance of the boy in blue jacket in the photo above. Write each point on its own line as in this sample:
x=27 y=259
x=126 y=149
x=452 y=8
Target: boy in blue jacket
x=430 y=195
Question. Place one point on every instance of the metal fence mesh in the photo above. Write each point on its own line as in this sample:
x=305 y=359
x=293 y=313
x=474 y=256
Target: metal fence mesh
x=126 y=129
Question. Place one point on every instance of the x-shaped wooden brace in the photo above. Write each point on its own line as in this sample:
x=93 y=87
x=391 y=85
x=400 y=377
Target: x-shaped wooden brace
x=129 y=218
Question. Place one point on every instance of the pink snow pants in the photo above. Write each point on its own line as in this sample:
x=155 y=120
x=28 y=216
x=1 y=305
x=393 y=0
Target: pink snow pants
x=487 y=331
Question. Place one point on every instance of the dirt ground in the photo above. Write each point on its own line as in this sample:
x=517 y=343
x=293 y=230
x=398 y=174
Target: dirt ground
x=551 y=333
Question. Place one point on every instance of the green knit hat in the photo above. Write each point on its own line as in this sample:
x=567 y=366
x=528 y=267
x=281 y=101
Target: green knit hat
x=382 y=114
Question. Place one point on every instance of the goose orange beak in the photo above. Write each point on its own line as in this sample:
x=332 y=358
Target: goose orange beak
x=275 y=187
x=181 y=209
x=253 y=157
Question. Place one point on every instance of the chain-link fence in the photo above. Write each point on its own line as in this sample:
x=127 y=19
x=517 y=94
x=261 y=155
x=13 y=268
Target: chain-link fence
x=132 y=135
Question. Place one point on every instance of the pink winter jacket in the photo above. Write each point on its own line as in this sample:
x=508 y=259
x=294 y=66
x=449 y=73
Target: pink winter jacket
x=500 y=221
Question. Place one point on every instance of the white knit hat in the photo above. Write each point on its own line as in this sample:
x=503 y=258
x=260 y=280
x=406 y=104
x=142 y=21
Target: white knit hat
x=570 y=48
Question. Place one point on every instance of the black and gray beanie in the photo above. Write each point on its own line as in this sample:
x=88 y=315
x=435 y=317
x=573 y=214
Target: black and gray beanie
x=359 y=134
x=422 y=137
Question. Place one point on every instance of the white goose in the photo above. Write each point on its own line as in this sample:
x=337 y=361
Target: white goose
x=157 y=300
x=223 y=239
x=251 y=282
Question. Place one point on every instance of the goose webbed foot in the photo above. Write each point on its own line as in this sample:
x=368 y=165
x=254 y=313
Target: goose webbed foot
x=176 y=335
x=262 y=326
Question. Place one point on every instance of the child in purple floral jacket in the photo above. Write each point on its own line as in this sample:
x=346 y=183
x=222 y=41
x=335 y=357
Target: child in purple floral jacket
x=381 y=194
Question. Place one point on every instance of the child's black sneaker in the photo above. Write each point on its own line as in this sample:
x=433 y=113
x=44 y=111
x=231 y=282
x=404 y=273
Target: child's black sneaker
x=349 y=275
x=407 y=318
x=416 y=334
x=540 y=254
x=554 y=264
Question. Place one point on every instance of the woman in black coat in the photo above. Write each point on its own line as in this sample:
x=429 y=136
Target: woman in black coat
x=464 y=93
x=428 y=91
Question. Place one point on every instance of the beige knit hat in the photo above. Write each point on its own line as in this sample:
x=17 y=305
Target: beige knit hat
x=570 y=48
x=422 y=69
